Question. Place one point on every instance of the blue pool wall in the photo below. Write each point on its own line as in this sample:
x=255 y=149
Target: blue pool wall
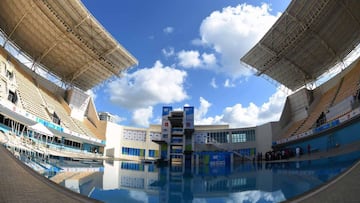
x=339 y=137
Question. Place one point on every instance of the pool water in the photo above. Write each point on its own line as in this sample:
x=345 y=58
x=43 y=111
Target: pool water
x=119 y=181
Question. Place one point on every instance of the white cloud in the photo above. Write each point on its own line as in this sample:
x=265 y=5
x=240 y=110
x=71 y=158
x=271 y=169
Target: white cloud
x=118 y=119
x=142 y=116
x=200 y=113
x=147 y=87
x=168 y=30
x=189 y=59
x=228 y=83
x=244 y=116
x=213 y=83
x=139 y=196
x=168 y=52
x=197 y=42
x=91 y=93
x=140 y=90
x=193 y=59
x=202 y=110
x=233 y=31
x=257 y=196
x=208 y=59
x=241 y=116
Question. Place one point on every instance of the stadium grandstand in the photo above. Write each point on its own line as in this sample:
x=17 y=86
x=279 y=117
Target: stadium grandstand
x=303 y=46
x=52 y=53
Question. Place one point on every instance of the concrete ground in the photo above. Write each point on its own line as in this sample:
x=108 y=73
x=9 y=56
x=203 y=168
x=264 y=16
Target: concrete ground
x=343 y=189
x=19 y=183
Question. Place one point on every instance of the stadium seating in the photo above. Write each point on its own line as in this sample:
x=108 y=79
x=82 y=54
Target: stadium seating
x=347 y=86
x=350 y=84
x=64 y=115
x=293 y=129
x=320 y=107
x=30 y=97
x=40 y=102
x=60 y=177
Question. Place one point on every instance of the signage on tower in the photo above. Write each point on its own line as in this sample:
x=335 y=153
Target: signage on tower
x=188 y=117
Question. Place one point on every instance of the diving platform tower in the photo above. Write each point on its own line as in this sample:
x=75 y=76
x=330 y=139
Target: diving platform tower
x=176 y=142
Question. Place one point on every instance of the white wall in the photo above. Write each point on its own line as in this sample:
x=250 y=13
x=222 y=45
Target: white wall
x=111 y=175
x=264 y=137
x=113 y=138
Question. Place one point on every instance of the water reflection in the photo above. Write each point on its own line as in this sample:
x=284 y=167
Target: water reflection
x=120 y=181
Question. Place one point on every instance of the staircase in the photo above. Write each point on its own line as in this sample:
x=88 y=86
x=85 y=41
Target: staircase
x=337 y=91
x=220 y=146
x=300 y=126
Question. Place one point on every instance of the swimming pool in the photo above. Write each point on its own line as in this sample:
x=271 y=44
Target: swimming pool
x=116 y=181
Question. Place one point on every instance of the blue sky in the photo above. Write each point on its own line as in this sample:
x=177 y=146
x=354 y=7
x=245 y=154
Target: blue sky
x=189 y=54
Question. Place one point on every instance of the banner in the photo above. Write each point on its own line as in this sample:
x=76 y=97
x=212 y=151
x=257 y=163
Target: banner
x=188 y=117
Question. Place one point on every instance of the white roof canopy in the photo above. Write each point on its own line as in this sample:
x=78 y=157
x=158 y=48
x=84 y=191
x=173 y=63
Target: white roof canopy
x=308 y=39
x=41 y=129
x=66 y=39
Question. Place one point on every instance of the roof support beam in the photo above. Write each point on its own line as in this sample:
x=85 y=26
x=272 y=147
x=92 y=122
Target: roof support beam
x=95 y=56
x=86 y=66
x=348 y=11
x=316 y=35
x=318 y=8
x=18 y=23
x=60 y=39
x=277 y=59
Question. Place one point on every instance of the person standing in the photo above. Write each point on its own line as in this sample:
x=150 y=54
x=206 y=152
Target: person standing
x=297 y=150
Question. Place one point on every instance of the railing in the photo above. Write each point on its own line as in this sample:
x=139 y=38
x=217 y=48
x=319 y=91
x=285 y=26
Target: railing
x=32 y=117
x=331 y=124
x=220 y=146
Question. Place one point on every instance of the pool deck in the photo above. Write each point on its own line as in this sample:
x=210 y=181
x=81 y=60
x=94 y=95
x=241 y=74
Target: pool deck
x=344 y=188
x=19 y=183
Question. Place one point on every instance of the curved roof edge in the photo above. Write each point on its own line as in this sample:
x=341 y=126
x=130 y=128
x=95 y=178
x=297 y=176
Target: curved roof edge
x=66 y=39
x=308 y=39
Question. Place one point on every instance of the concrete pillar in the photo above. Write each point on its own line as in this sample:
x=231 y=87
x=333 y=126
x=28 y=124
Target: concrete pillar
x=197 y=161
x=231 y=162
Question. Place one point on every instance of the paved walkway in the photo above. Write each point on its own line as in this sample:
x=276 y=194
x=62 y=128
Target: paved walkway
x=343 y=189
x=19 y=183
x=353 y=147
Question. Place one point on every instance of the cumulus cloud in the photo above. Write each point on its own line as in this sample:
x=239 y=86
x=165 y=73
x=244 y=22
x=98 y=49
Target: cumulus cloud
x=213 y=83
x=148 y=87
x=208 y=59
x=118 y=119
x=228 y=83
x=193 y=59
x=202 y=110
x=142 y=89
x=168 y=30
x=200 y=114
x=91 y=93
x=167 y=52
x=139 y=196
x=233 y=31
x=189 y=59
x=244 y=116
x=142 y=116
